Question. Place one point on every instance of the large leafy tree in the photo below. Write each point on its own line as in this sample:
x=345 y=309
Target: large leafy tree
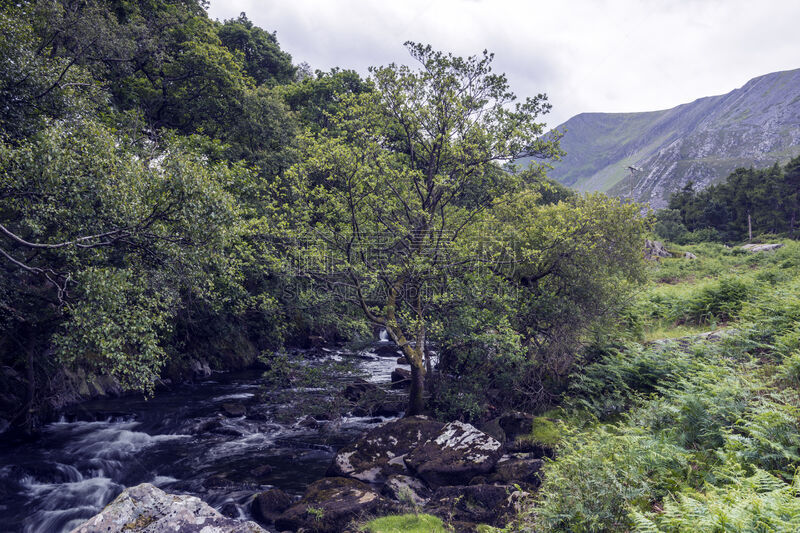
x=101 y=237
x=384 y=193
x=264 y=61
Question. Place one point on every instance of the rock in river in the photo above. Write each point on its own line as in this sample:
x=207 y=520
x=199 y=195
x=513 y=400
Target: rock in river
x=329 y=504
x=456 y=454
x=379 y=454
x=268 y=506
x=472 y=504
x=147 y=509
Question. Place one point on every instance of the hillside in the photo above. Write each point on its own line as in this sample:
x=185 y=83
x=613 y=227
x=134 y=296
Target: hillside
x=702 y=141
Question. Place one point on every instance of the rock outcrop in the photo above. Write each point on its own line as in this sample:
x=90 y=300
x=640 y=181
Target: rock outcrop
x=147 y=509
x=381 y=452
x=269 y=505
x=406 y=489
x=329 y=504
x=761 y=247
x=654 y=250
x=473 y=503
x=456 y=454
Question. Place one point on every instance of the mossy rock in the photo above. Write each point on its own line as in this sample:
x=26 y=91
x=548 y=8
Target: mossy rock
x=544 y=436
x=406 y=523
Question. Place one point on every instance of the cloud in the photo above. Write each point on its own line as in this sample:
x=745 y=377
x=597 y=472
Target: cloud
x=588 y=55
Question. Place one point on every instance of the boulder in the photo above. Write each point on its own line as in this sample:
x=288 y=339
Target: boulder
x=386 y=349
x=379 y=454
x=147 y=509
x=456 y=454
x=329 y=504
x=517 y=469
x=493 y=428
x=389 y=407
x=199 y=369
x=516 y=423
x=406 y=489
x=267 y=506
x=761 y=247
x=654 y=250
x=234 y=410
x=361 y=388
x=689 y=255
x=309 y=422
x=401 y=378
x=402 y=361
x=486 y=504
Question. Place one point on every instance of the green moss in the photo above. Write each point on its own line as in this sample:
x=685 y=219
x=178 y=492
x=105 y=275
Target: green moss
x=407 y=523
x=141 y=522
x=545 y=431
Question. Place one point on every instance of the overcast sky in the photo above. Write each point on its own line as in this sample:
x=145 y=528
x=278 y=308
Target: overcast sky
x=587 y=55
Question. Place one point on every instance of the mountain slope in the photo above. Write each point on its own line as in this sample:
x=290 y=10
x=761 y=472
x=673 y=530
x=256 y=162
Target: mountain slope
x=702 y=141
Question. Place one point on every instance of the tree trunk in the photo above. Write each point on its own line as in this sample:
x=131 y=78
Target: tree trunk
x=749 y=229
x=416 y=400
x=31 y=376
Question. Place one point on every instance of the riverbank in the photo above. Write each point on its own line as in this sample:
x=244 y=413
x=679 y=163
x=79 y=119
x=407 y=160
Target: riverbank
x=224 y=439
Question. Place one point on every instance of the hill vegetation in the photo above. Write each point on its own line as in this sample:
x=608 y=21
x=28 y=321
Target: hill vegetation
x=748 y=203
x=699 y=142
x=698 y=433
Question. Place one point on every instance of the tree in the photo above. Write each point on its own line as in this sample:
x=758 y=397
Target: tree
x=264 y=61
x=101 y=236
x=791 y=192
x=383 y=196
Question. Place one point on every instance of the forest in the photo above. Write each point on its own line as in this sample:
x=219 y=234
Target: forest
x=174 y=188
x=750 y=202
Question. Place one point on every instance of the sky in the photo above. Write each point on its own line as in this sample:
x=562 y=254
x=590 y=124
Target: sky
x=586 y=55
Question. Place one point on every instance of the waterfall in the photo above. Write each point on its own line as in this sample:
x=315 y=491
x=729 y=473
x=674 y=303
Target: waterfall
x=384 y=336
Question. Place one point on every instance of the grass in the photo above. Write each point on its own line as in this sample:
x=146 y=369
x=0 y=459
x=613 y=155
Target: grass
x=406 y=523
x=668 y=330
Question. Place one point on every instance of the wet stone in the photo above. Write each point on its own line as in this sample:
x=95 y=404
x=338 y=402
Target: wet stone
x=147 y=509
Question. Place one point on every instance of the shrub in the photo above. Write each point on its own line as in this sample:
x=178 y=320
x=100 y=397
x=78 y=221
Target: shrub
x=600 y=474
x=759 y=502
x=721 y=300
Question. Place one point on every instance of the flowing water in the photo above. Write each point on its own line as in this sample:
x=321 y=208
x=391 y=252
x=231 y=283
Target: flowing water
x=180 y=441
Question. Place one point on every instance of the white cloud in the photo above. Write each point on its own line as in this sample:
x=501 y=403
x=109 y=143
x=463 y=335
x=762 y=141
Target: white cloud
x=587 y=55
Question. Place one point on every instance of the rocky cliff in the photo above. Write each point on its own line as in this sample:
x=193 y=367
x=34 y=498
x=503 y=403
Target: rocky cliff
x=702 y=141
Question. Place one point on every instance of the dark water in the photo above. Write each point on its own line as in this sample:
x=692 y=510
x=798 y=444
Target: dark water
x=180 y=442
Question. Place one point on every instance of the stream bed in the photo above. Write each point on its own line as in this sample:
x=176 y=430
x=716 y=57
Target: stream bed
x=185 y=440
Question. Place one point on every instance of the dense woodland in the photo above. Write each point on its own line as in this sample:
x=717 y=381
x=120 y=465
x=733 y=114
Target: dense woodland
x=171 y=185
x=750 y=202
x=174 y=185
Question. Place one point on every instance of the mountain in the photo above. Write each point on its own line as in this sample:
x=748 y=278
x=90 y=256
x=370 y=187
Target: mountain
x=702 y=141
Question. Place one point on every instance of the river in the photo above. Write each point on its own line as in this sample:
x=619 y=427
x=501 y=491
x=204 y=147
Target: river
x=181 y=441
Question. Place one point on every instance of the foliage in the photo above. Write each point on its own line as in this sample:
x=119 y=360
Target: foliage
x=765 y=201
x=687 y=435
x=563 y=269
x=757 y=503
x=389 y=205
x=264 y=61
x=95 y=221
